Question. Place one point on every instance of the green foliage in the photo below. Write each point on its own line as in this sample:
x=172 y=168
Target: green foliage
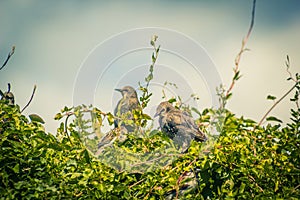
x=145 y=98
x=242 y=163
x=246 y=161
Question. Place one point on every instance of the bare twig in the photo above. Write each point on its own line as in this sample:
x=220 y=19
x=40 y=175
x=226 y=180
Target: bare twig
x=239 y=55
x=8 y=57
x=34 y=88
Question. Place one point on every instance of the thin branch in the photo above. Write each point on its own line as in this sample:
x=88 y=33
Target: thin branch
x=66 y=126
x=274 y=105
x=8 y=87
x=253 y=179
x=239 y=55
x=287 y=63
x=296 y=188
x=181 y=178
x=8 y=57
x=33 y=92
x=136 y=183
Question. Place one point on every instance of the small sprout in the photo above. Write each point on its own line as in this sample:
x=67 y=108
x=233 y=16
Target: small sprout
x=153 y=40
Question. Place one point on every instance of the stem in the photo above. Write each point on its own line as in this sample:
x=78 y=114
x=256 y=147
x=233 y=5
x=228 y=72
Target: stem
x=34 y=88
x=278 y=101
x=66 y=126
x=252 y=178
x=8 y=57
x=136 y=183
x=181 y=178
x=239 y=55
x=8 y=87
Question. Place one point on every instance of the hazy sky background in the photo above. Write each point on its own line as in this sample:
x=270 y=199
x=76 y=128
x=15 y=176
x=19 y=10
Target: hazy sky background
x=53 y=38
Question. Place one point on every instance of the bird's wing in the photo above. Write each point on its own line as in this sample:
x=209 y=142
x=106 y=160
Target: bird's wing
x=107 y=139
x=133 y=104
x=194 y=129
x=175 y=117
x=189 y=120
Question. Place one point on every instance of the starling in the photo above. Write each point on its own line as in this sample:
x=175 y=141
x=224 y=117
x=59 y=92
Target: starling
x=115 y=134
x=178 y=125
x=122 y=112
x=126 y=106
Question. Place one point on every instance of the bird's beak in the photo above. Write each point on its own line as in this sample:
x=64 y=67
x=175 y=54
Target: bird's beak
x=156 y=115
x=119 y=90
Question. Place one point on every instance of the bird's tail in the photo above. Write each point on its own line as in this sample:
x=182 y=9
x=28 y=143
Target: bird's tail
x=200 y=136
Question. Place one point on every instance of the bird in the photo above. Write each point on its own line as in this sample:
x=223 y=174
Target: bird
x=123 y=112
x=118 y=133
x=178 y=125
x=126 y=105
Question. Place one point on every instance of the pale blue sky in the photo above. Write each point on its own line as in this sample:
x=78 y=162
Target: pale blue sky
x=53 y=38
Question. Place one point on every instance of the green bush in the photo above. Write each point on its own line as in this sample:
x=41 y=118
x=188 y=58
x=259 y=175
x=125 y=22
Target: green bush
x=247 y=161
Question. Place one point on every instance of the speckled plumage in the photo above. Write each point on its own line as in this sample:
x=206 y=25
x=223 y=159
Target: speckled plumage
x=178 y=125
x=127 y=104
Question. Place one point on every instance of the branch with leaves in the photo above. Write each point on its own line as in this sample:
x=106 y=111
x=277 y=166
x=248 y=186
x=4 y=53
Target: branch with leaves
x=236 y=70
x=296 y=81
x=145 y=98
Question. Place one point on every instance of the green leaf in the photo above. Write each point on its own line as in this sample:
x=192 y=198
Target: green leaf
x=110 y=118
x=66 y=109
x=145 y=116
x=270 y=97
x=158 y=48
x=153 y=58
x=16 y=168
x=237 y=76
x=151 y=69
x=58 y=116
x=172 y=100
x=196 y=111
x=271 y=118
x=228 y=96
x=36 y=118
